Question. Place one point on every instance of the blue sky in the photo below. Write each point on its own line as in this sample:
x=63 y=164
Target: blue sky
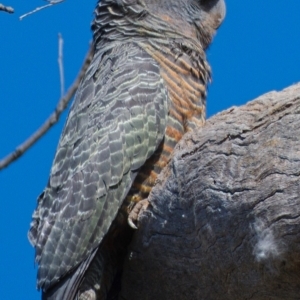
x=255 y=51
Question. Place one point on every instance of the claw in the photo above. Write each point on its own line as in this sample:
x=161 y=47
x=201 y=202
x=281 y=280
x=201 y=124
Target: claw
x=131 y=224
x=133 y=216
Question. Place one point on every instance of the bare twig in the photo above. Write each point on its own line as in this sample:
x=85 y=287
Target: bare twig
x=61 y=65
x=53 y=118
x=51 y=3
x=7 y=9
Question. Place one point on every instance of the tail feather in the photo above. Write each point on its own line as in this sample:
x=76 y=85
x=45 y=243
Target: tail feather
x=67 y=288
x=99 y=276
x=104 y=273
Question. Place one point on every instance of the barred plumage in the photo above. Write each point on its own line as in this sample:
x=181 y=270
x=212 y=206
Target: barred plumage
x=145 y=87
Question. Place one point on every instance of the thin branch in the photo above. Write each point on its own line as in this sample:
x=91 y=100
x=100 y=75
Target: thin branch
x=7 y=9
x=51 y=3
x=53 y=118
x=61 y=65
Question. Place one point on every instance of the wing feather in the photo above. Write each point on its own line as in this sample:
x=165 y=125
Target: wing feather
x=115 y=124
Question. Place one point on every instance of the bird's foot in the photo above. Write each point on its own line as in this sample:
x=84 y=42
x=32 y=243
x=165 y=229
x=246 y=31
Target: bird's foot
x=137 y=209
x=88 y=295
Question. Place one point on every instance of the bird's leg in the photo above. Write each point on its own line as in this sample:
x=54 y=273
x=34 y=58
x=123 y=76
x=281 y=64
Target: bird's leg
x=137 y=209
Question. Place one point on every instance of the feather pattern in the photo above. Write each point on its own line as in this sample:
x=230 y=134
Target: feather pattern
x=109 y=134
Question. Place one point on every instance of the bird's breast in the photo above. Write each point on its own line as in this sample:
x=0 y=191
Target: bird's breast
x=187 y=92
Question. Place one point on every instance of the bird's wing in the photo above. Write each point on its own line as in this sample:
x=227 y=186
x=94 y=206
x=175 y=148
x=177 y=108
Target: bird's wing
x=116 y=122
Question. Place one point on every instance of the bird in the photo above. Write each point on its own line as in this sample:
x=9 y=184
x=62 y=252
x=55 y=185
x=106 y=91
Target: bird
x=145 y=88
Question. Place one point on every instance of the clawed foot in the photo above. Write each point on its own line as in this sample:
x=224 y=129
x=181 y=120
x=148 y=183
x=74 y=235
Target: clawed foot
x=88 y=295
x=133 y=216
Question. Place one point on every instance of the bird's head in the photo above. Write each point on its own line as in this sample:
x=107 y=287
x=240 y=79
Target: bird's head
x=194 y=19
x=198 y=19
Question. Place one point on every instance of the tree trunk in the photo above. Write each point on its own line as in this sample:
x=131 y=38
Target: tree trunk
x=224 y=216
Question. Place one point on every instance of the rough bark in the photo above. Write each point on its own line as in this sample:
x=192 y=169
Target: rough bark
x=224 y=218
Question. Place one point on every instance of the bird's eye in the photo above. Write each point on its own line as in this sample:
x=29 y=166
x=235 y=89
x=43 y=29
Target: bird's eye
x=208 y=4
x=215 y=8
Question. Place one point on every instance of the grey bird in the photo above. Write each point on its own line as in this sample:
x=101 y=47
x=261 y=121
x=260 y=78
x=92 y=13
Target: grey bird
x=145 y=87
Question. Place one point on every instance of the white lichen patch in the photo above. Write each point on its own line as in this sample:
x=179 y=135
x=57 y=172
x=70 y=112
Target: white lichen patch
x=266 y=246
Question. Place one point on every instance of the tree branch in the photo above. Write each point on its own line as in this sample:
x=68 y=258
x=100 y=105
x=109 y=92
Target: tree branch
x=51 y=3
x=7 y=9
x=224 y=216
x=61 y=65
x=53 y=118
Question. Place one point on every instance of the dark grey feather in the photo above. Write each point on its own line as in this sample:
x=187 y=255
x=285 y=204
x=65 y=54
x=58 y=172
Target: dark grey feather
x=108 y=136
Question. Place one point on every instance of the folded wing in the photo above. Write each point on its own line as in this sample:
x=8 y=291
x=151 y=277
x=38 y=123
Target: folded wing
x=116 y=122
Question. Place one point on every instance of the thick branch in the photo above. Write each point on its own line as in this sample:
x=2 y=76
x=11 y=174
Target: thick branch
x=224 y=219
x=53 y=118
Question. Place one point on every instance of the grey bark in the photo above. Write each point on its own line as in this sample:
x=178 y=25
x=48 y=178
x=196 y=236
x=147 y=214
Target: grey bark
x=224 y=216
